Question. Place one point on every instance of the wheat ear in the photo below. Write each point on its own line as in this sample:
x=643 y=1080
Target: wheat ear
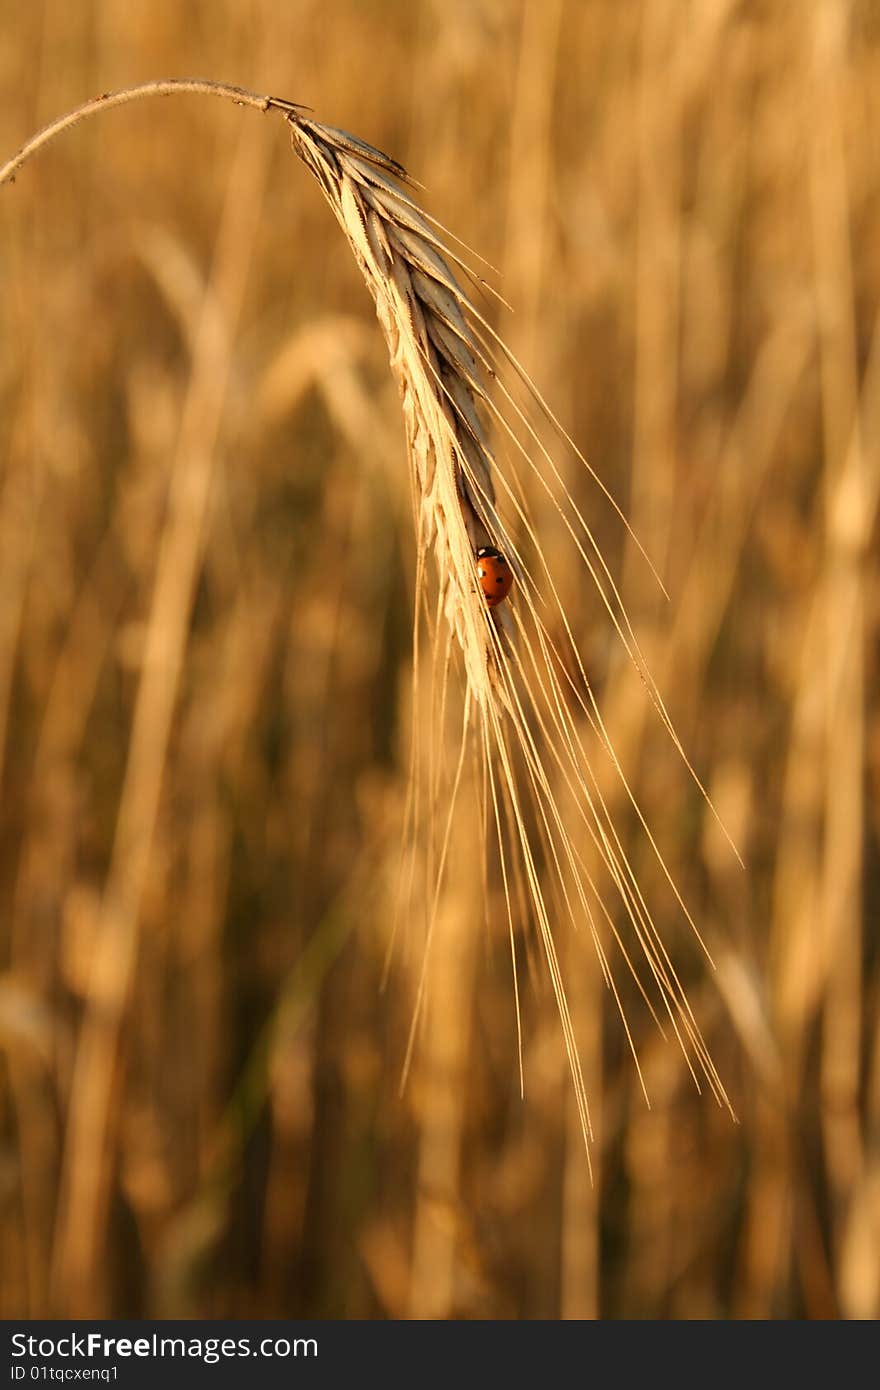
x=527 y=696
x=435 y=358
x=440 y=349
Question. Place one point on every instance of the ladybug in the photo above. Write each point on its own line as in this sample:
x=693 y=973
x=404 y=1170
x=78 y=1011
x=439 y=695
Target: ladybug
x=494 y=574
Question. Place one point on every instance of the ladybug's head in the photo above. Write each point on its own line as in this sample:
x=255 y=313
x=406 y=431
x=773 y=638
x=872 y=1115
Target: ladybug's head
x=486 y=552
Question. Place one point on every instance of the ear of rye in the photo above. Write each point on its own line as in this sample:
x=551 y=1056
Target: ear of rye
x=526 y=685
x=434 y=357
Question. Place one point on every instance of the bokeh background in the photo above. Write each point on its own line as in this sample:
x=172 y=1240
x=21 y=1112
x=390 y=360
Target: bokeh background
x=206 y=580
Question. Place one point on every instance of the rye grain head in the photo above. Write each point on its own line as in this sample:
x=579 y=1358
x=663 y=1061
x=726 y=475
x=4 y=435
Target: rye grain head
x=529 y=713
x=529 y=706
x=438 y=365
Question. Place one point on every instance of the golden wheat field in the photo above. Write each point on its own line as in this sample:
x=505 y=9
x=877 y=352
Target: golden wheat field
x=308 y=998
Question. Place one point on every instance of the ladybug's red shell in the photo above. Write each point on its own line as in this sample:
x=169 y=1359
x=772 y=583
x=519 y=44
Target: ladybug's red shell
x=494 y=574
